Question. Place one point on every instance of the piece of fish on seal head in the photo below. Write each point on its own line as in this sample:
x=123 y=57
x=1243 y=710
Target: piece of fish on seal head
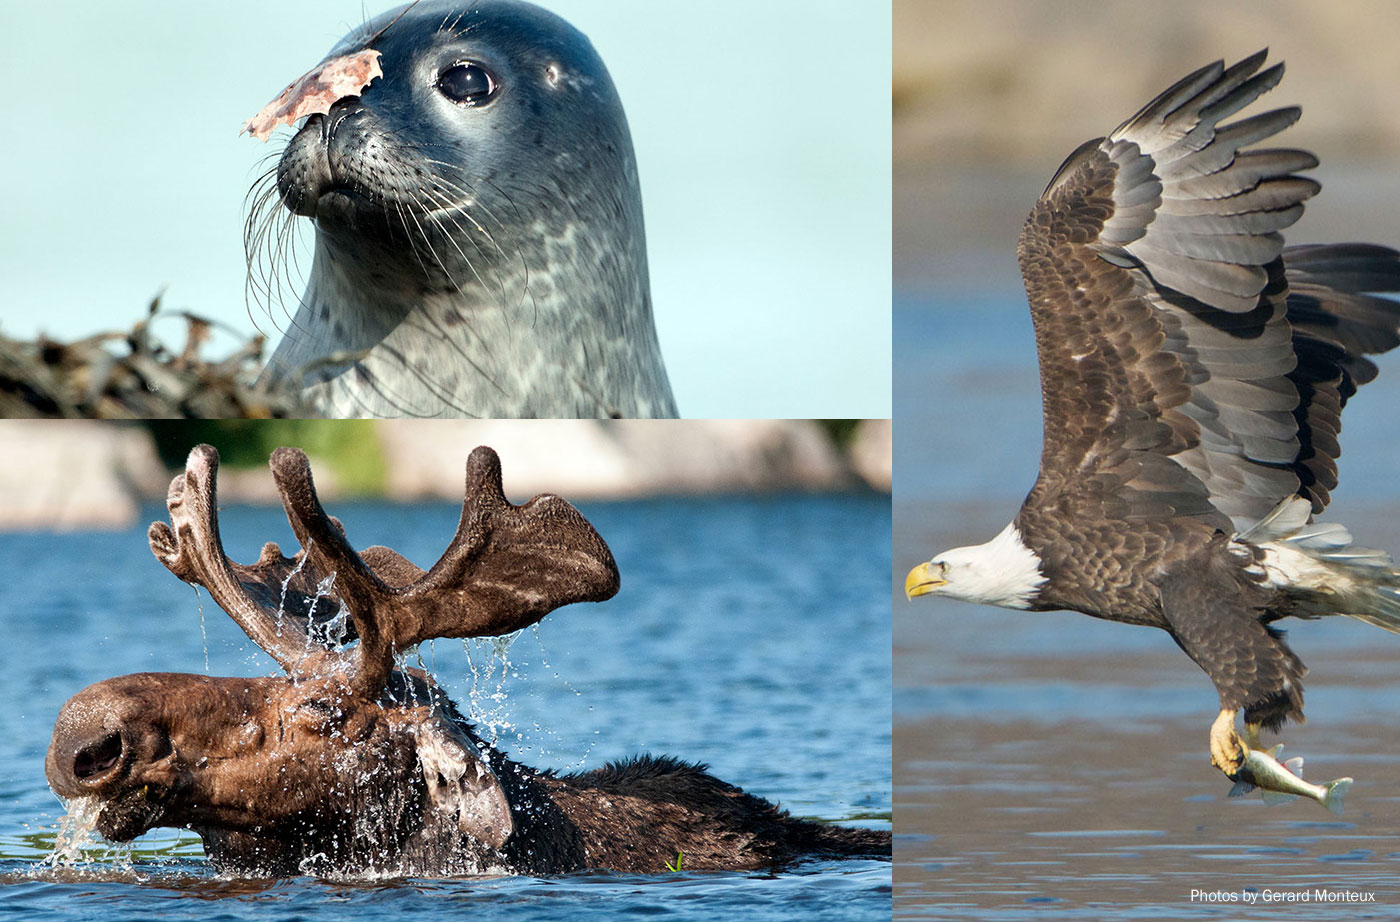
x=479 y=238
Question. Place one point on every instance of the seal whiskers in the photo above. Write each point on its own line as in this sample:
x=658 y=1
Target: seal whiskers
x=269 y=250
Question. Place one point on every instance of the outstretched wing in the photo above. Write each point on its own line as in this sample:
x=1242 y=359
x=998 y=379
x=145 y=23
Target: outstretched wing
x=1173 y=382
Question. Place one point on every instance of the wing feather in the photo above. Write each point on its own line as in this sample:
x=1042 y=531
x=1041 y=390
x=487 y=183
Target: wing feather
x=1269 y=196
x=1337 y=321
x=1190 y=367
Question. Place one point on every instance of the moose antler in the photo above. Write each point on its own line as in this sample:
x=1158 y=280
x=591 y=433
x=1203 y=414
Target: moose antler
x=274 y=600
x=506 y=568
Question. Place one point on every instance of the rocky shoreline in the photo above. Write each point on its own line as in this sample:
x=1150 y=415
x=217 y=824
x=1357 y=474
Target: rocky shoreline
x=1018 y=85
x=92 y=475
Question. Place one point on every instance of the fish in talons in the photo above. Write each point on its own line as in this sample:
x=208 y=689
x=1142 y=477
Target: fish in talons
x=1281 y=782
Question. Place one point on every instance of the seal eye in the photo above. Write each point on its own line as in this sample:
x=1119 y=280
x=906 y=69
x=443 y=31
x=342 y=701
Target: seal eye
x=467 y=83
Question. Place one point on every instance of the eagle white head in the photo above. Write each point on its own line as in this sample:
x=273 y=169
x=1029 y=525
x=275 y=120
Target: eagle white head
x=1003 y=572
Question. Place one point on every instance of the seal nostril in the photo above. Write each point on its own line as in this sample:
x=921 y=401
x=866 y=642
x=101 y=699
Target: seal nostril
x=97 y=758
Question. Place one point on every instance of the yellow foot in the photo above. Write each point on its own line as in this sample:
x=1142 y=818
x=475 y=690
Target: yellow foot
x=1227 y=750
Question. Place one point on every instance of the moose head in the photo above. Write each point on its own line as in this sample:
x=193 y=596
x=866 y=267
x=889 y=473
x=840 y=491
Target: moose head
x=346 y=756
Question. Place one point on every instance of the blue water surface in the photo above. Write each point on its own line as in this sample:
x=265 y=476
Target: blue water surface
x=750 y=633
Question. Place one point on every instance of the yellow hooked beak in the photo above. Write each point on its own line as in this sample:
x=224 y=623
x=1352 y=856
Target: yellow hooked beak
x=923 y=579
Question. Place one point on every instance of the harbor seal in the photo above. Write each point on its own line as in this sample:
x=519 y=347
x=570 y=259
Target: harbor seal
x=479 y=240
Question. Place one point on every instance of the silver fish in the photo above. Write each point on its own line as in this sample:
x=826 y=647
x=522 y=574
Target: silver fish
x=1282 y=782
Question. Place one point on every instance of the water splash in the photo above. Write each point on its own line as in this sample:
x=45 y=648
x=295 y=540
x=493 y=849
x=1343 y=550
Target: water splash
x=488 y=660
x=77 y=832
x=203 y=634
x=79 y=848
x=332 y=632
x=287 y=582
x=582 y=760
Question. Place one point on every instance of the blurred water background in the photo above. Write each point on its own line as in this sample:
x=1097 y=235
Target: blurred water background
x=1051 y=764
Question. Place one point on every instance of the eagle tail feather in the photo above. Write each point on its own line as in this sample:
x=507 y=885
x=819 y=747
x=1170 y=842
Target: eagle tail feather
x=1322 y=571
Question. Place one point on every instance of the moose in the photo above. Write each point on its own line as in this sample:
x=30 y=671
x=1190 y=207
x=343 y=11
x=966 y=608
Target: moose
x=356 y=763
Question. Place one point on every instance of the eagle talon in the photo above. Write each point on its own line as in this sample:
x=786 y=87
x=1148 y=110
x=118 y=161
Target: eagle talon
x=1231 y=765
x=1227 y=750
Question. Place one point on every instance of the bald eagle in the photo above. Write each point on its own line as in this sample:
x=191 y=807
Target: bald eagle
x=1193 y=372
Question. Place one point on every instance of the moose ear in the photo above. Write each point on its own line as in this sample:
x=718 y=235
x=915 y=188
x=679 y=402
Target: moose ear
x=461 y=784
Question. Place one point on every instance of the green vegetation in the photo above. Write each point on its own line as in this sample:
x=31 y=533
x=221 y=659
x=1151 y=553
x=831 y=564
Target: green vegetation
x=842 y=431
x=348 y=447
x=677 y=866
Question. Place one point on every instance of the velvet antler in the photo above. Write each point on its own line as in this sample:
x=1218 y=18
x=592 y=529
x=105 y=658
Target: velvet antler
x=506 y=568
x=274 y=600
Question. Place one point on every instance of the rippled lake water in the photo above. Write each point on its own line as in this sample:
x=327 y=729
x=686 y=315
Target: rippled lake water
x=1055 y=766
x=750 y=633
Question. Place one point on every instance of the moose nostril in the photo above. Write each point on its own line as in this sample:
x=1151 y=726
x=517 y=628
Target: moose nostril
x=98 y=757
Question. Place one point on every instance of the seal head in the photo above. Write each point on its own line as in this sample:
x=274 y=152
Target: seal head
x=479 y=239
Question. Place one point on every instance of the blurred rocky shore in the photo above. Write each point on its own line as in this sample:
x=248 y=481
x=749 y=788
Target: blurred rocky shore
x=1013 y=82
x=64 y=475
x=990 y=96
x=132 y=374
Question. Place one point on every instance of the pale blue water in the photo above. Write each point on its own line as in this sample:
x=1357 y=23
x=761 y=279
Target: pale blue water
x=750 y=633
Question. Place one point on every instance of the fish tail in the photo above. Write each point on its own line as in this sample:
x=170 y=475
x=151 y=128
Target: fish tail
x=1332 y=800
